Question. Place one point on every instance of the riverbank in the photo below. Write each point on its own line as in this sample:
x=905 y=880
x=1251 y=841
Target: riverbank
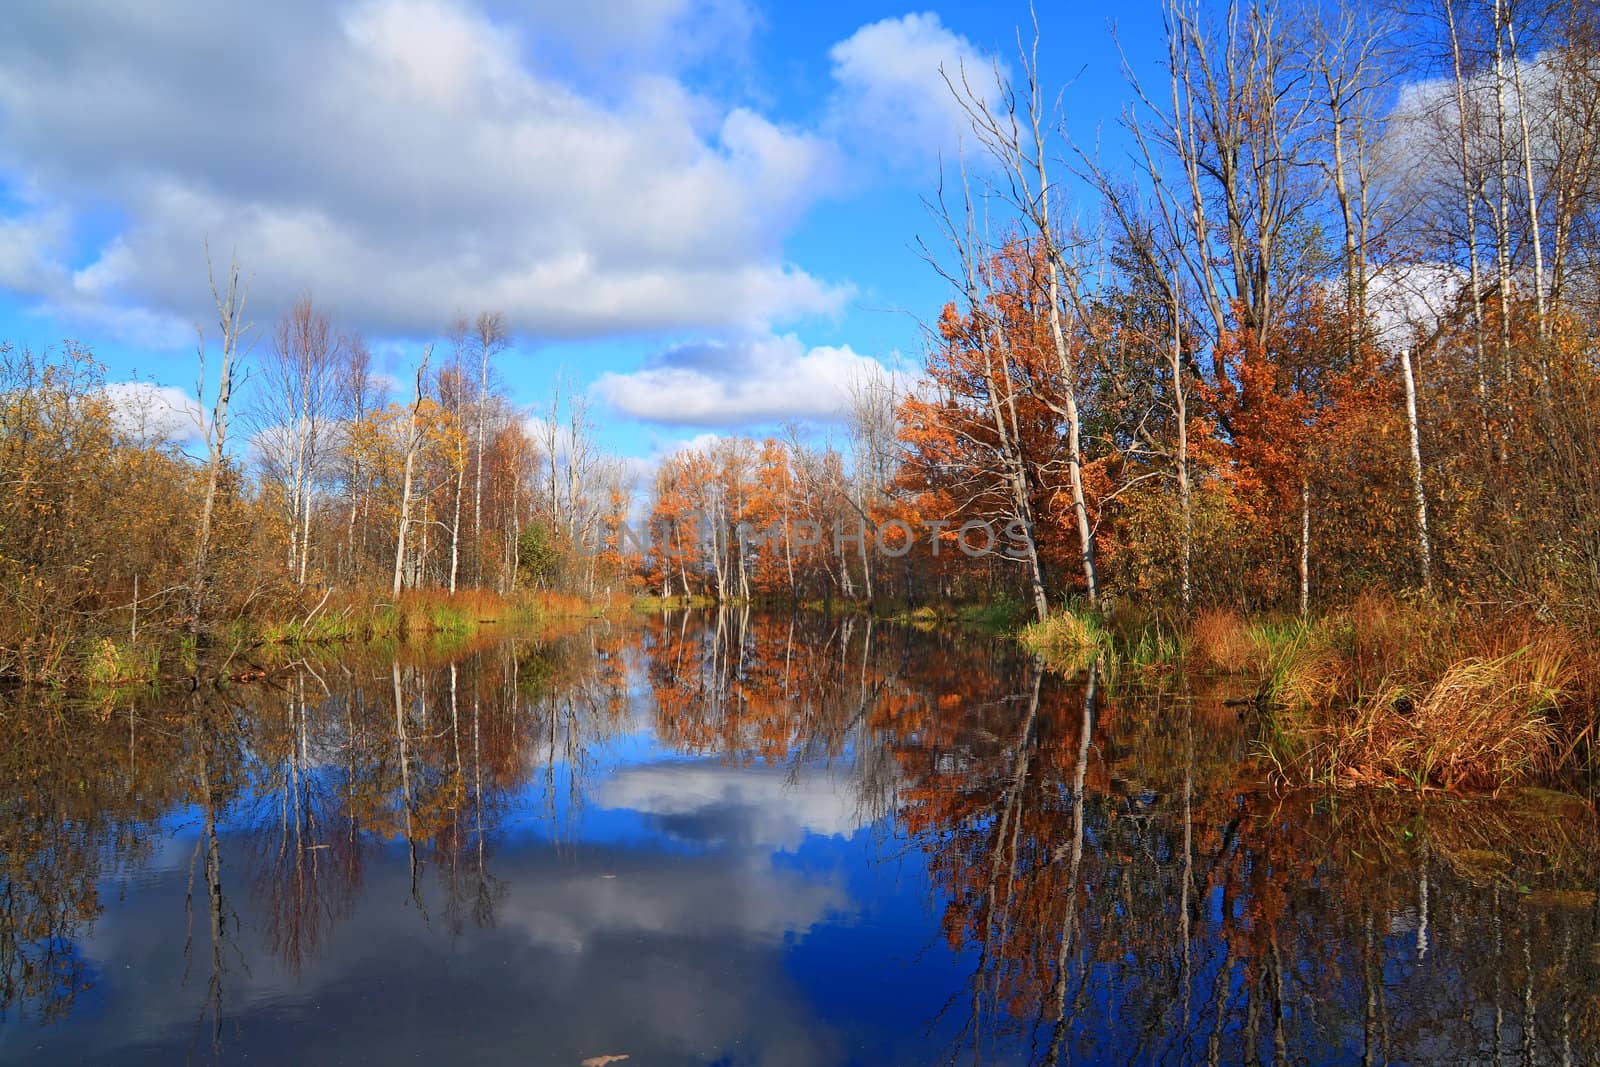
x=1412 y=694
x=349 y=617
x=1423 y=694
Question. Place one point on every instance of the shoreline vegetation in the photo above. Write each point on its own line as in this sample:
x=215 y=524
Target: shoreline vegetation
x=245 y=649
x=1418 y=694
x=1414 y=694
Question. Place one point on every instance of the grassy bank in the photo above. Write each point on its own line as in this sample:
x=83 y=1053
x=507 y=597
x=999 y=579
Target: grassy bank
x=1423 y=694
x=348 y=617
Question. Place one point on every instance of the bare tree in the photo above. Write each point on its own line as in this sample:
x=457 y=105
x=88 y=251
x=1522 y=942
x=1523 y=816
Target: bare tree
x=1505 y=19
x=301 y=379
x=1347 y=58
x=491 y=338
x=413 y=444
x=1241 y=127
x=1014 y=134
x=360 y=395
x=230 y=302
x=974 y=279
x=1471 y=190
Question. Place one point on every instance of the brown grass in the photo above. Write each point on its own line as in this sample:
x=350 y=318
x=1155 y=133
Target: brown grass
x=1219 y=640
x=1425 y=694
x=1312 y=671
x=1483 y=723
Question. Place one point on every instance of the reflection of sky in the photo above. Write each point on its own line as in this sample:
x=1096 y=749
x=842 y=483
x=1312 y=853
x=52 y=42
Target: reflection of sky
x=691 y=912
x=688 y=909
x=719 y=803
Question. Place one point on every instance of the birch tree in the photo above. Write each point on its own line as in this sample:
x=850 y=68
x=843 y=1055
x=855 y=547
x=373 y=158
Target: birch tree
x=414 y=432
x=1013 y=129
x=300 y=378
x=232 y=331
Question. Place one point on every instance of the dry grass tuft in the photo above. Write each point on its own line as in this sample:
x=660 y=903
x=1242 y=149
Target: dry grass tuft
x=1219 y=640
x=1485 y=722
x=1385 y=635
x=1312 y=671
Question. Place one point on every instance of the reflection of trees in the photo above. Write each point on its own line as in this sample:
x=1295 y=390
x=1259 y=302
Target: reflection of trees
x=794 y=690
x=1105 y=858
x=1124 y=884
x=82 y=783
x=213 y=754
x=308 y=773
x=304 y=848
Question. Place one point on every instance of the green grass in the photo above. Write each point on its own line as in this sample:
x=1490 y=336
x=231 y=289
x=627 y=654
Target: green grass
x=1068 y=640
x=1003 y=615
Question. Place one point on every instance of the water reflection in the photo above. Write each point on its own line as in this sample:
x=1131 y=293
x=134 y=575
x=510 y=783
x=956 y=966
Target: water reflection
x=745 y=838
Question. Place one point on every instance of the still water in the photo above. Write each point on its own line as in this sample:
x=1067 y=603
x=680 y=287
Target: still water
x=756 y=839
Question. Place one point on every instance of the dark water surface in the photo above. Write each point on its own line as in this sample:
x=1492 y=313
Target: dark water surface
x=756 y=839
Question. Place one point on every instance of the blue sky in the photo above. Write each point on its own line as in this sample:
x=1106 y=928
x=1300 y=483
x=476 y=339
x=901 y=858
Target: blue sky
x=701 y=212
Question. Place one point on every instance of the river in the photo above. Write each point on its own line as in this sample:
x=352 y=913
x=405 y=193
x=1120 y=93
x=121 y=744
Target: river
x=747 y=838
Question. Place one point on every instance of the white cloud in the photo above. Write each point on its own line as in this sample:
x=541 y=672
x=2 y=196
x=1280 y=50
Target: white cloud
x=701 y=444
x=757 y=904
x=1418 y=158
x=399 y=159
x=577 y=931
x=153 y=413
x=764 y=806
x=29 y=243
x=1405 y=301
x=891 y=95
x=717 y=383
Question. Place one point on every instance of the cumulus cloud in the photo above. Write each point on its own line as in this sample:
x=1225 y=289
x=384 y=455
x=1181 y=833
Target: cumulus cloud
x=399 y=158
x=726 y=383
x=153 y=413
x=752 y=806
x=890 y=93
x=1405 y=302
x=1418 y=158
